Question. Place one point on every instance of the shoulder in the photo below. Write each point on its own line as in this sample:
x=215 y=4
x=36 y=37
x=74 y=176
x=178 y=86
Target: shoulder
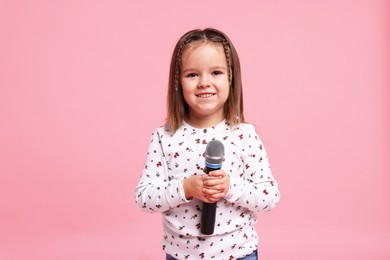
x=250 y=132
x=164 y=132
x=241 y=129
x=161 y=130
x=247 y=128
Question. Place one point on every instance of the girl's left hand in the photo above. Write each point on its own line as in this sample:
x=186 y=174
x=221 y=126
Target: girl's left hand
x=216 y=185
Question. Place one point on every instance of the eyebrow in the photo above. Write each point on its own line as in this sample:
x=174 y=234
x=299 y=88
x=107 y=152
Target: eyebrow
x=212 y=68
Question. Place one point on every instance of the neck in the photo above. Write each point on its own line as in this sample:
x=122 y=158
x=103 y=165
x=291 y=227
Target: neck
x=205 y=121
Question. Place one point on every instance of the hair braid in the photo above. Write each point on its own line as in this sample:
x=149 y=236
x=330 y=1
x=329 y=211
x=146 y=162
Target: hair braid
x=178 y=61
x=227 y=54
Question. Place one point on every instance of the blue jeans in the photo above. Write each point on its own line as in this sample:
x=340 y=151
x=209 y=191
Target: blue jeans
x=252 y=256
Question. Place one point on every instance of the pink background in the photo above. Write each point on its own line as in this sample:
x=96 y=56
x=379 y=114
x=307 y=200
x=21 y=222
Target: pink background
x=83 y=84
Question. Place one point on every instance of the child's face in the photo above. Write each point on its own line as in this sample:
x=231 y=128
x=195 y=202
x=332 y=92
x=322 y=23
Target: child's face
x=204 y=79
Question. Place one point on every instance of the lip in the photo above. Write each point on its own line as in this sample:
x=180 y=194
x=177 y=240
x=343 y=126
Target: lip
x=205 y=95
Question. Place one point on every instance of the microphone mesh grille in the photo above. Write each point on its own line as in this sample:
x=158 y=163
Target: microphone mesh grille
x=215 y=152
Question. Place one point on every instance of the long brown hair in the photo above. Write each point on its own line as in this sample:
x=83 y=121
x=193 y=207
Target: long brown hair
x=176 y=105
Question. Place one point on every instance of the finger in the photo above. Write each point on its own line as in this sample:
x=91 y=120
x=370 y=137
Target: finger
x=218 y=187
x=215 y=198
x=210 y=192
x=217 y=173
x=210 y=198
x=215 y=195
x=210 y=177
x=213 y=181
x=214 y=188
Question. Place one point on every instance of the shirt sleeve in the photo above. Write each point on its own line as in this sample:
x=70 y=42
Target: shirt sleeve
x=255 y=188
x=156 y=192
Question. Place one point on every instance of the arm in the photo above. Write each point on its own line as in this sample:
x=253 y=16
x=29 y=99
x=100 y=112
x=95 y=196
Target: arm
x=156 y=192
x=256 y=188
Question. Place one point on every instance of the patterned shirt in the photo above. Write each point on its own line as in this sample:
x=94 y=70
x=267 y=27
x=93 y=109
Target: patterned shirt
x=173 y=157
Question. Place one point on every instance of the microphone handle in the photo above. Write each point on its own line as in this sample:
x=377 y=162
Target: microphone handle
x=208 y=212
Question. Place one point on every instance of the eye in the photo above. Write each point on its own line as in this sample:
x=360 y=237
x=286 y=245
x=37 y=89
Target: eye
x=191 y=75
x=217 y=72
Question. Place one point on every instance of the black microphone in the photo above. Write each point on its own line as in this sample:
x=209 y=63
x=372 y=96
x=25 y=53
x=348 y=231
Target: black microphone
x=214 y=155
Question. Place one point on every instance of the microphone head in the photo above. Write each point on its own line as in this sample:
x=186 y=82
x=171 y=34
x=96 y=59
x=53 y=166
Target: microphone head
x=215 y=152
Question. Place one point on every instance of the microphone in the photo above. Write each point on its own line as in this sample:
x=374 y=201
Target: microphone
x=214 y=155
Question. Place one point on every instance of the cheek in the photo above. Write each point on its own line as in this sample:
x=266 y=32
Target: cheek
x=187 y=89
x=226 y=93
x=188 y=84
x=224 y=88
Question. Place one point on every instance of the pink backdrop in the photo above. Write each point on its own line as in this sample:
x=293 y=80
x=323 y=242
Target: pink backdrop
x=83 y=84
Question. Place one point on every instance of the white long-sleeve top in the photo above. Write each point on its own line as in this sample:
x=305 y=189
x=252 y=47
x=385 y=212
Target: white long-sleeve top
x=173 y=157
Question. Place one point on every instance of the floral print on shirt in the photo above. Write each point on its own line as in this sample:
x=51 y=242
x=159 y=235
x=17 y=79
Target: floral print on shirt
x=173 y=157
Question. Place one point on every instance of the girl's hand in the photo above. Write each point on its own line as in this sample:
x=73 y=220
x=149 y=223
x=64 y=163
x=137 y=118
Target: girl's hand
x=216 y=185
x=208 y=188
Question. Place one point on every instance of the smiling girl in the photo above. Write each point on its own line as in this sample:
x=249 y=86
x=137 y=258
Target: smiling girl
x=204 y=104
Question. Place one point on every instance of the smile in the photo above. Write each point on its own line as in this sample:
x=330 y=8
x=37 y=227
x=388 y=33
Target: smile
x=206 y=95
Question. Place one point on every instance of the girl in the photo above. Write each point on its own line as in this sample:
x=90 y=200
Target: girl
x=205 y=103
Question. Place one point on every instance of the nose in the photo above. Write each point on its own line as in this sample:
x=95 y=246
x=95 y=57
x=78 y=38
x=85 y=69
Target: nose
x=204 y=82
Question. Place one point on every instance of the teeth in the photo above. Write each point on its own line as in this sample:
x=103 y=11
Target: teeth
x=205 y=95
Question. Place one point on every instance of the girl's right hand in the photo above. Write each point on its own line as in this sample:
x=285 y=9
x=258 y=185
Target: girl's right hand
x=194 y=187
